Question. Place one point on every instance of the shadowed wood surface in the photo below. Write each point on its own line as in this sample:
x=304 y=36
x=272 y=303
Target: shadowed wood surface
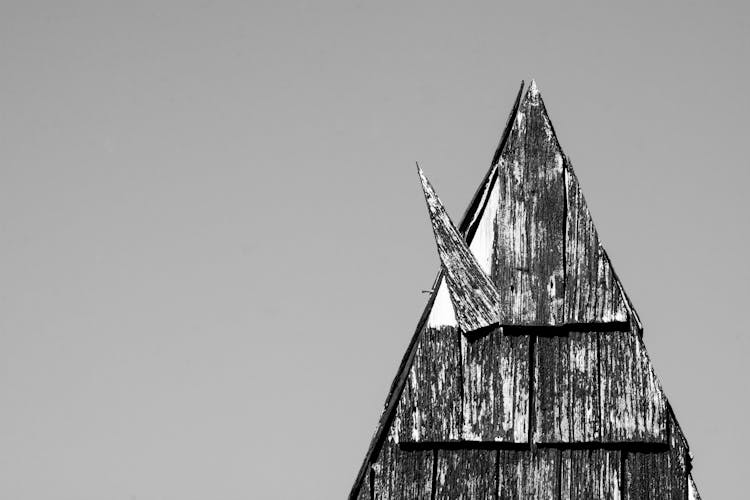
x=526 y=474
x=567 y=388
x=430 y=404
x=465 y=474
x=402 y=475
x=496 y=388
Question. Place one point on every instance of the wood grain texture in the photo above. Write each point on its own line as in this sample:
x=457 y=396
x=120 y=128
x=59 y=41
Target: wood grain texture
x=589 y=474
x=466 y=474
x=430 y=405
x=566 y=384
x=365 y=492
x=633 y=406
x=496 y=388
x=528 y=271
x=592 y=293
x=474 y=297
x=526 y=474
x=402 y=475
x=647 y=476
x=678 y=460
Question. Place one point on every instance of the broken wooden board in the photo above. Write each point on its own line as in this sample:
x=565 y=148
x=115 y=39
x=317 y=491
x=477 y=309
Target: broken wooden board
x=633 y=407
x=483 y=242
x=566 y=385
x=430 y=405
x=592 y=293
x=399 y=474
x=587 y=474
x=528 y=270
x=527 y=474
x=466 y=474
x=474 y=297
x=496 y=387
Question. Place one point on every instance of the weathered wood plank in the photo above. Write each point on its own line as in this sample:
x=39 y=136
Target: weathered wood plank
x=526 y=474
x=566 y=388
x=402 y=475
x=588 y=474
x=662 y=475
x=552 y=389
x=591 y=291
x=633 y=407
x=496 y=388
x=365 y=491
x=647 y=476
x=585 y=407
x=474 y=297
x=466 y=474
x=429 y=408
x=528 y=271
x=678 y=460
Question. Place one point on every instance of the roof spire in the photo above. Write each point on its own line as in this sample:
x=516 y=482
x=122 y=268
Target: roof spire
x=474 y=296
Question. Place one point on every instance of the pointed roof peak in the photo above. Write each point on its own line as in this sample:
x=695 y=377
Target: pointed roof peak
x=533 y=95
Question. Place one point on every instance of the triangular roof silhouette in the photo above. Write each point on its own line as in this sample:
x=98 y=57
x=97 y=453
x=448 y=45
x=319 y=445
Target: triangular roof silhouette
x=527 y=376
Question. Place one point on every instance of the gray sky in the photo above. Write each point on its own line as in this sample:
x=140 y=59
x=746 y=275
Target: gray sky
x=213 y=240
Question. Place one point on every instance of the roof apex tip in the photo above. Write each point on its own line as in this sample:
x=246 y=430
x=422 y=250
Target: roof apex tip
x=533 y=89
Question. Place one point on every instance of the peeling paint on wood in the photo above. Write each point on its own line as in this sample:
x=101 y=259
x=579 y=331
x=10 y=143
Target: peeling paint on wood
x=402 y=475
x=474 y=297
x=567 y=390
x=430 y=404
x=591 y=291
x=589 y=474
x=526 y=474
x=528 y=271
x=496 y=388
x=466 y=474
x=633 y=408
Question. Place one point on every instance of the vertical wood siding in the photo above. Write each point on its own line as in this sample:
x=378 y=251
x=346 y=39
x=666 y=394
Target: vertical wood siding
x=591 y=291
x=566 y=382
x=402 y=475
x=526 y=474
x=632 y=404
x=528 y=271
x=590 y=474
x=496 y=388
x=430 y=405
x=466 y=474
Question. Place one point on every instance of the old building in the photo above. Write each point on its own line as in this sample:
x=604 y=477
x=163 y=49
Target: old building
x=527 y=376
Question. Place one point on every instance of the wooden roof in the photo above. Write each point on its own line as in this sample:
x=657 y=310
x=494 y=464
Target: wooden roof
x=527 y=376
